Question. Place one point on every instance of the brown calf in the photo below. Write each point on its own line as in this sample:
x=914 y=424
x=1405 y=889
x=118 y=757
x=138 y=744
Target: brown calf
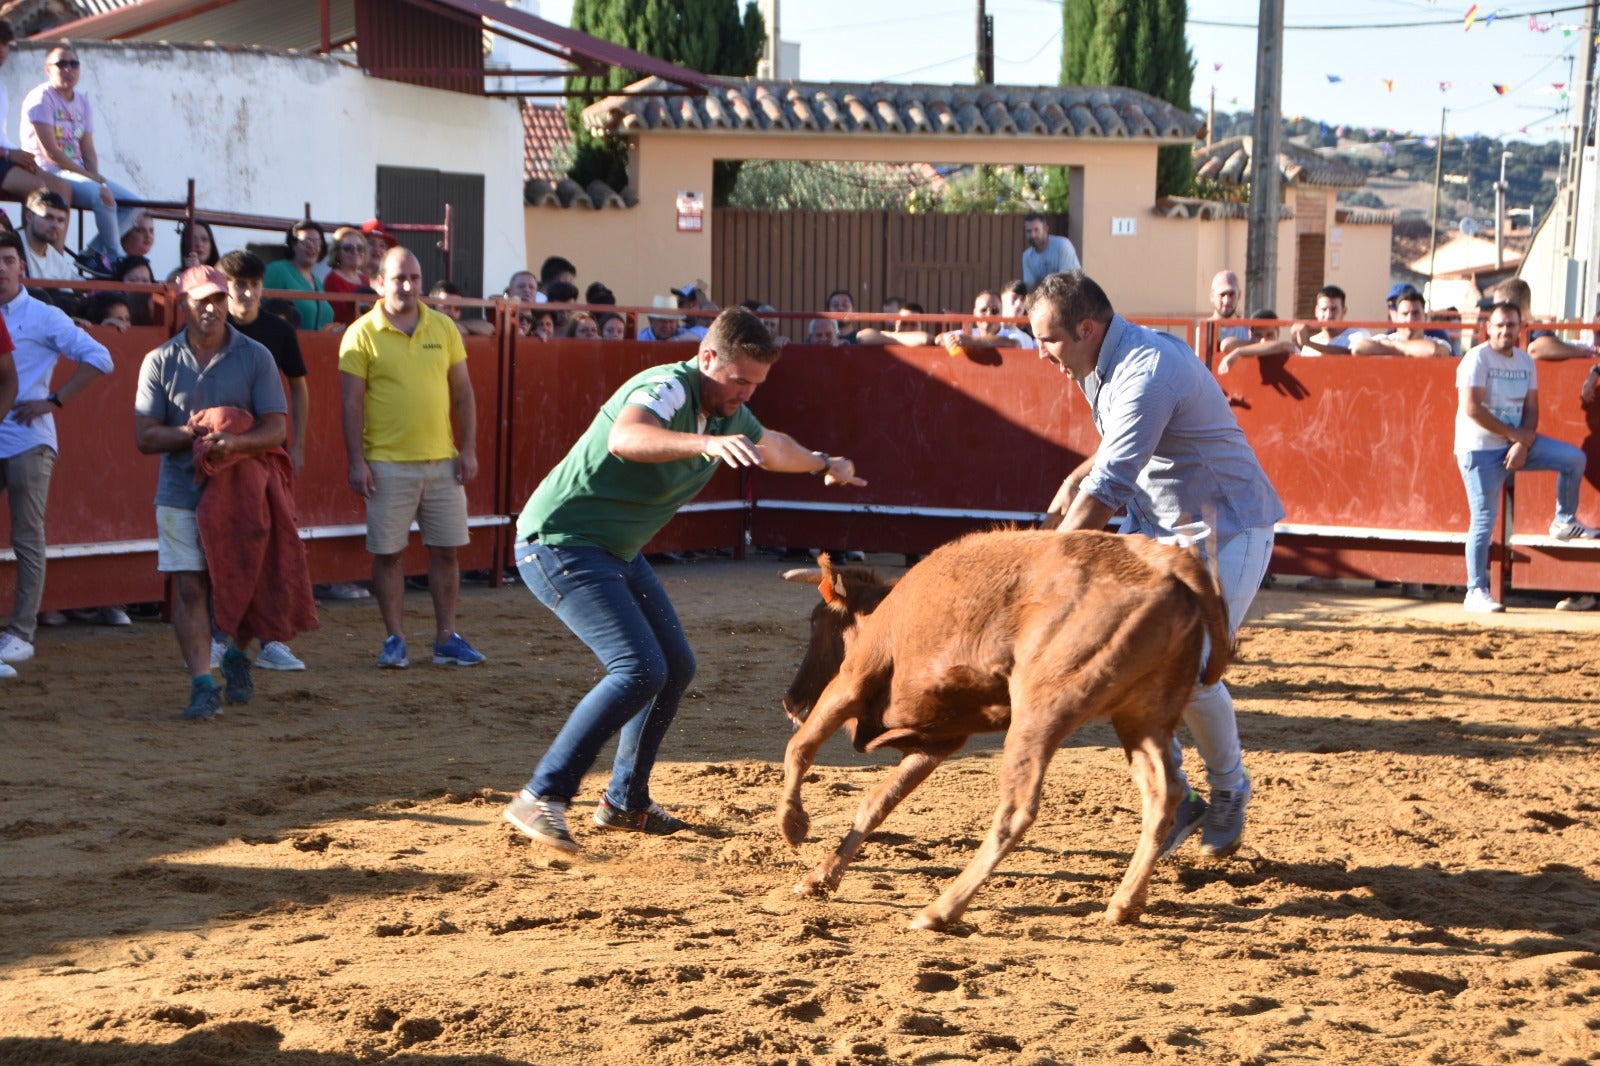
x=1024 y=631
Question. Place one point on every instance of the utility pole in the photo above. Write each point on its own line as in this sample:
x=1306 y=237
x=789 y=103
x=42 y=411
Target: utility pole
x=985 y=46
x=1500 y=214
x=1438 y=179
x=1261 y=255
x=1581 y=128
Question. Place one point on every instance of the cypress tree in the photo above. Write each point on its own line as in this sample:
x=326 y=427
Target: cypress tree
x=1138 y=44
x=704 y=35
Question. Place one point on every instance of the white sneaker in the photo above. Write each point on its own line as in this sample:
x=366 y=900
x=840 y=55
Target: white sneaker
x=1480 y=601
x=275 y=655
x=6 y=671
x=114 y=616
x=219 y=648
x=1585 y=602
x=1573 y=530
x=13 y=649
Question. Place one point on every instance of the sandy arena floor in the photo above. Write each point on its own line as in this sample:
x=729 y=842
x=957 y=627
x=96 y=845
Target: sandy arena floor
x=322 y=877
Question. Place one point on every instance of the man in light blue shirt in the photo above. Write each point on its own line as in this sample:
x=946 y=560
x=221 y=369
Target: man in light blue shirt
x=42 y=334
x=1044 y=254
x=1172 y=453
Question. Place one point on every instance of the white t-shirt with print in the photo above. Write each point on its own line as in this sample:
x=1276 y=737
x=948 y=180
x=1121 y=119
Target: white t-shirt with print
x=1506 y=381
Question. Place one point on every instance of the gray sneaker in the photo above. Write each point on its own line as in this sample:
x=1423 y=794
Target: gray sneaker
x=239 y=685
x=652 y=820
x=543 y=820
x=1224 y=829
x=1191 y=812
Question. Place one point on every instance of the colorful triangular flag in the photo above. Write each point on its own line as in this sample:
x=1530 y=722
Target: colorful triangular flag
x=1499 y=90
x=1388 y=83
x=1472 y=16
x=1444 y=86
x=1334 y=79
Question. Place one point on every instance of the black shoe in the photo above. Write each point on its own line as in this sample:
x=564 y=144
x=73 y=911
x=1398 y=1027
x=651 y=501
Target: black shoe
x=652 y=820
x=239 y=685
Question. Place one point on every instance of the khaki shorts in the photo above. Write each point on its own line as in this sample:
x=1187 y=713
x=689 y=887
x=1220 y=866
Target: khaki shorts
x=178 y=541
x=426 y=493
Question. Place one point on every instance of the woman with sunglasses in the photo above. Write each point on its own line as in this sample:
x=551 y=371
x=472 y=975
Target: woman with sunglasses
x=58 y=128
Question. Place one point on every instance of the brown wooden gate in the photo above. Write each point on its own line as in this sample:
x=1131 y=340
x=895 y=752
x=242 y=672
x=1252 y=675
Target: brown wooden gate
x=793 y=259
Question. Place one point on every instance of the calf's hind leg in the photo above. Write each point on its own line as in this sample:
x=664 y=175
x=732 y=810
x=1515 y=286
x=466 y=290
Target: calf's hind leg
x=911 y=771
x=1151 y=765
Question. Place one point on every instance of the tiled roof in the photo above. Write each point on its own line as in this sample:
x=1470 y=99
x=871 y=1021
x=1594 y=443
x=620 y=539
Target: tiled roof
x=1194 y=207
x=565 y=192
x=1366 y=216
x=1082 y=112
x=1229 y=162
x=544 y=131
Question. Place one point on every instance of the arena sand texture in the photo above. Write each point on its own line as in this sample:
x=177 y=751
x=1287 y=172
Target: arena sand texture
x=322 y=877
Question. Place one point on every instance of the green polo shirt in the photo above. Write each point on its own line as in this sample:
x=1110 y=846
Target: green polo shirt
x=595 y=499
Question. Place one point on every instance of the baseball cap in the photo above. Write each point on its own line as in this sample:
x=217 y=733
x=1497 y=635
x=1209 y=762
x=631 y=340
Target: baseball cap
x=373 y=228
x=1403 y=288
x=202 y=281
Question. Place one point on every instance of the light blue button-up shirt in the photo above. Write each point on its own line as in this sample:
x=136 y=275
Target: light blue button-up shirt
x=1170 y=449
x=42 y=333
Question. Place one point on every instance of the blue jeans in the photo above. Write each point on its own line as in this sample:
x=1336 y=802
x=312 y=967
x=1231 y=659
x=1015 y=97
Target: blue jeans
x=620 y=610
x=110 y=223
x=1484 y=473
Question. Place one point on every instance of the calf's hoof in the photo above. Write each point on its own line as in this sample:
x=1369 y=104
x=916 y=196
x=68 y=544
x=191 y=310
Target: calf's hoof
x=929 y=921
x=1120 y=913
x=813 y=887
x=793 y=822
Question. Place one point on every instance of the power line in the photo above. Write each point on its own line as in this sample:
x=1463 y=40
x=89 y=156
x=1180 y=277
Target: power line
x=1220 y=24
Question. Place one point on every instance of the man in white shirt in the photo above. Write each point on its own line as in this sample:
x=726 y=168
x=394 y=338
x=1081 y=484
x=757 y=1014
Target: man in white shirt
x=42 y=334
x=44 y=221
x=1409 y=316
x=1044 y=255
x=1325 y=340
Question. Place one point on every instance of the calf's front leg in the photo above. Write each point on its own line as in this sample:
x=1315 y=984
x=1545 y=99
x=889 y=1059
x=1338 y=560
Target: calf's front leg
x=911 y=771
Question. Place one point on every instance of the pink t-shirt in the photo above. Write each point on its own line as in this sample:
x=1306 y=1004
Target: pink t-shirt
x=72 y=119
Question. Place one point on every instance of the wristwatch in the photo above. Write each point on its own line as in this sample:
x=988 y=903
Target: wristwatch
x=55 y=398
x=827 y=463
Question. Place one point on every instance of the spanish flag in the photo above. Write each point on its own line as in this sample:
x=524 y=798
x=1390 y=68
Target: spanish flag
x=1472 y=16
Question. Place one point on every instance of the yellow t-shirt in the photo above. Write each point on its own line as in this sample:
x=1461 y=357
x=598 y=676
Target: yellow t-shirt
x=408 y=388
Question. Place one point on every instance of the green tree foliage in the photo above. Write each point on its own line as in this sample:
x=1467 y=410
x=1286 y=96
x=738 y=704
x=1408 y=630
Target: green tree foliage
x=1137 y=44
x=705 y=35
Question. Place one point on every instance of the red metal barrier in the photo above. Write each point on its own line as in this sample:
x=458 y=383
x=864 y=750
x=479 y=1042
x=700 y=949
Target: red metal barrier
x=1359 y=448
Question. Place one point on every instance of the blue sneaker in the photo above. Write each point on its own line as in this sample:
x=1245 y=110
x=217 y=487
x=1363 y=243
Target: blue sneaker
x=239 y=684
x=1191 y=815
x=205 y=702
x=1225 y=821
x=456 y=652
x=393 y=656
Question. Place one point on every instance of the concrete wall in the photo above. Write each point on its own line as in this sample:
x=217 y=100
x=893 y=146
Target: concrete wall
x=263 y=133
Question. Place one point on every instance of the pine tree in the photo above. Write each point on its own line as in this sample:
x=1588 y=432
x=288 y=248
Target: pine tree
x=1137 y=44
x=704 y=35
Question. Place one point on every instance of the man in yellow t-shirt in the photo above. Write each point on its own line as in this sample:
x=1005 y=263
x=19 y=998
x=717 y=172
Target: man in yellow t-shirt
x=405 y=377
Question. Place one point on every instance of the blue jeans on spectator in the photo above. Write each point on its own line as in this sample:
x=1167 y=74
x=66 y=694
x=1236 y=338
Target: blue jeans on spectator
x=1484 y=473
x=620 y=610
x=109 y=223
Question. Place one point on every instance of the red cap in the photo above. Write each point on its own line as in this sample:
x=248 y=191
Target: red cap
x=373 y=228
x=202 y=281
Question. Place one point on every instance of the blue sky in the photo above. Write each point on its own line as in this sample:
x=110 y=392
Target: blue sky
x=933 y=41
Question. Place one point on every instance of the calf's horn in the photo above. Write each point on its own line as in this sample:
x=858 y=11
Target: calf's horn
x=808 y=575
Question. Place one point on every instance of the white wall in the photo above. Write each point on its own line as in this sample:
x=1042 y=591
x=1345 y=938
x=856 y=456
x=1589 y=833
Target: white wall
x=263 y=133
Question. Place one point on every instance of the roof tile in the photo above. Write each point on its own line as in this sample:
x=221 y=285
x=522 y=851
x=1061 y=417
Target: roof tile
x=1228 y=161
x=880 y=108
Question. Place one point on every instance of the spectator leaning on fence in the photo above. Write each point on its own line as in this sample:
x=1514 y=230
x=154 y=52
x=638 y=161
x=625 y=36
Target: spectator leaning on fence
x=1497 y=434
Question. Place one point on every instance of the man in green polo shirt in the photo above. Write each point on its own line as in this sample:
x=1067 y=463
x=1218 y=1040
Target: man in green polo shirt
x=652 y=447
x=405 y=378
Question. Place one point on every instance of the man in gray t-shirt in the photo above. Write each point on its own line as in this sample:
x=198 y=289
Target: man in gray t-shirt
x=208 y=364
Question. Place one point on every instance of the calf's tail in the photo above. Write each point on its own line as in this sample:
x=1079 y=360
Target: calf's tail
x=1213 y=614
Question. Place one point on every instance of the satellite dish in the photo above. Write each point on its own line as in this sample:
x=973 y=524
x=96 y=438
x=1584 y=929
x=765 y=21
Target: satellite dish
x=1468 y=227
